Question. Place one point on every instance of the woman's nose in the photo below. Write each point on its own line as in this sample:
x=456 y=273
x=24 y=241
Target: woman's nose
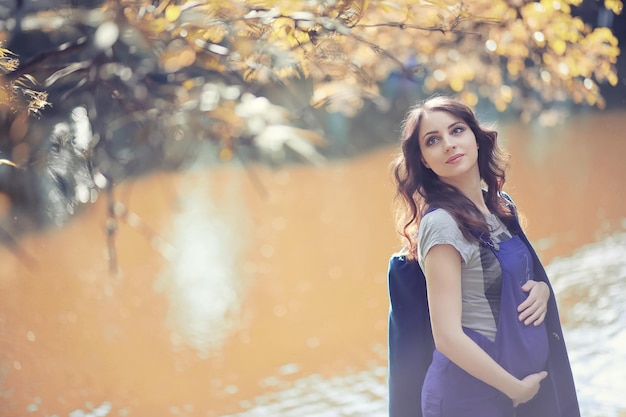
x=448 y=143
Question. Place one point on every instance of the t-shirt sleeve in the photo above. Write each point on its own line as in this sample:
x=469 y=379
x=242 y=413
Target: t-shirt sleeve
x=439 y=228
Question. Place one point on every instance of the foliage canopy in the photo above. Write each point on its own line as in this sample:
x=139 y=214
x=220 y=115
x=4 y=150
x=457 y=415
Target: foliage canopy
x=514 y=53
x=208 y=57
x=152 y=79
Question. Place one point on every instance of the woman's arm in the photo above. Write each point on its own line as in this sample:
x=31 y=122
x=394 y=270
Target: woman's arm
x=442 y=268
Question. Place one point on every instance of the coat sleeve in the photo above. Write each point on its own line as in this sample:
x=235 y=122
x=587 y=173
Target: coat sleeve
x=410 y=343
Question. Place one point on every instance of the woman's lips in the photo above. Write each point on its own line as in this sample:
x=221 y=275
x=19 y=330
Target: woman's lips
x=454 y=158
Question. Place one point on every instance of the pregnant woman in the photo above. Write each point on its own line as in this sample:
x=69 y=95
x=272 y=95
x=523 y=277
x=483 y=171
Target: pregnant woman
x=474 y=328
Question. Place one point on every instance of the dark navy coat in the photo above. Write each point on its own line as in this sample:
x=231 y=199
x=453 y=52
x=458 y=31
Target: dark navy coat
x=411 y=346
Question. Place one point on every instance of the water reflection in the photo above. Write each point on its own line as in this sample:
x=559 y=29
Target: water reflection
x=360 y=394
x=200 y=280
x=101 y=410
x=592 y=285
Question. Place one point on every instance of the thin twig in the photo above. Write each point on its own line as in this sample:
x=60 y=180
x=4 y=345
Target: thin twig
x=13 y=245
x=111 y=229
x=55 y=53
x=256 y=182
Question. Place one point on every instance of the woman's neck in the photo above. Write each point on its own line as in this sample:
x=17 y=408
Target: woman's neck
x=476 y=196
x=472 y=189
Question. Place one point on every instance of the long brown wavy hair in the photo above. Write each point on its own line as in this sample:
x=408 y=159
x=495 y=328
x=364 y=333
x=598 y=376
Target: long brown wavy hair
x=419 y=188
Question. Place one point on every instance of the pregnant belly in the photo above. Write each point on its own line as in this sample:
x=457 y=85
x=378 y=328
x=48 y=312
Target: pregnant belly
x=523 y=350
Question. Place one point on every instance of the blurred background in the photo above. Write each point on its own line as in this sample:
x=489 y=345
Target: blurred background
x=196 y=201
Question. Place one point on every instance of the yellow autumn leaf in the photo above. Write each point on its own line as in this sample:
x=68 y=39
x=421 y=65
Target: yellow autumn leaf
x=214 y=34
x=578 y=24
x=457 y=84
x=286 y=72
x=500 y=105
x=175 y=59
x=469 y=98
x=603 y=35
x=506 y=94
x=250 y=74
x=558 y=46
x=514 y=66
x=4 y=53
x=172 y=13
x=518 y=30
x=591 y=99
x=159 y=25
x=615 y=6
x=188 y=84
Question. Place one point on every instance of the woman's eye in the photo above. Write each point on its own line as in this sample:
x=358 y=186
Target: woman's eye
x=431 y=140
x=457 y=130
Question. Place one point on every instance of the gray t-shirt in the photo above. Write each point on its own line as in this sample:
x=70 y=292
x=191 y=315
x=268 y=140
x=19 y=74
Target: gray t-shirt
x=481 y=276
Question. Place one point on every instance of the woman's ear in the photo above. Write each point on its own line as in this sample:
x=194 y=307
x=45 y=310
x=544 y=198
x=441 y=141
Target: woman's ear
x=425 y=163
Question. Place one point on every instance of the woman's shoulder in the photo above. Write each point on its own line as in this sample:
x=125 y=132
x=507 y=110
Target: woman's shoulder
x=438 y=220
x=439 y=227
x=438 y=215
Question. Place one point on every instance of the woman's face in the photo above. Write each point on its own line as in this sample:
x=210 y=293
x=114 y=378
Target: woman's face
x=448 y=146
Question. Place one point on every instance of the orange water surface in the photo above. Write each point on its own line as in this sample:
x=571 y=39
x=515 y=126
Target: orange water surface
x=225 y=291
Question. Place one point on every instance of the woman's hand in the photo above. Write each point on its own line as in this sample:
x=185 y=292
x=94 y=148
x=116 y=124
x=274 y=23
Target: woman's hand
x=534 y=308
x=529 y=387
